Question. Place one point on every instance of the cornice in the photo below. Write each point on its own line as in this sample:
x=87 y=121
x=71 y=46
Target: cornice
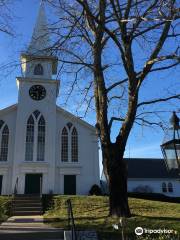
x=35 y=80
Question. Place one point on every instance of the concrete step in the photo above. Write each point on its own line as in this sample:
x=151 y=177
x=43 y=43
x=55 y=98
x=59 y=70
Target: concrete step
x=26 y=201
x=27 y=198
x=27 y=208
x=27 y=205
x=29 y=234
x=26 y=213
x=27 y=195
x=28 y=228
x=24 y=205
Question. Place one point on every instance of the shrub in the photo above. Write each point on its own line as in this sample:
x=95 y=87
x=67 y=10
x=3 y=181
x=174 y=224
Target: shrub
x=143 y=189
x=5 y=208
x=47 y=201
x=95 y=190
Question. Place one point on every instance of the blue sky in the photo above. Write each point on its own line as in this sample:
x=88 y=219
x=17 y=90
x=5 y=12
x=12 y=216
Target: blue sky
x=143 y=142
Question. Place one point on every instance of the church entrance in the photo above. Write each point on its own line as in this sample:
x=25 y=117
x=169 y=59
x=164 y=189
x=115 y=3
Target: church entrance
x=1 y=177
x=33 y=183
x=70 y=184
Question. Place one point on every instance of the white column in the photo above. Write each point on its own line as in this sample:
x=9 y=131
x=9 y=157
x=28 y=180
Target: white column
x=21 y=183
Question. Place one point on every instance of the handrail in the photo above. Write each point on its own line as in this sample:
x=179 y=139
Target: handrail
x=71 y=224
x=40 y=187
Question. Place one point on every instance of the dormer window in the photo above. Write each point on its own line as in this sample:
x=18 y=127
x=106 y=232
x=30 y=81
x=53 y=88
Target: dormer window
x=38 y=70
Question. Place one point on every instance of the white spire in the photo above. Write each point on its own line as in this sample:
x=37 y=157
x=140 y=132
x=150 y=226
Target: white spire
x=40 y=39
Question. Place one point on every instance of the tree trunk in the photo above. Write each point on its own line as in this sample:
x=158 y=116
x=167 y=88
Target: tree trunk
x=116 y=172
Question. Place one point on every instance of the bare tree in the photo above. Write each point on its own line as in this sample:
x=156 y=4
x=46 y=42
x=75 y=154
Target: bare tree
x=6 y=17
x=112 y=47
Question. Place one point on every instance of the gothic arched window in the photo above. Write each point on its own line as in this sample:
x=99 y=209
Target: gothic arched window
x=29 y=139
x=64 y=145
x=36 y=113
x=41 y=139
x=38 y=70
x=74 y=145
x=4 y=143
x=164 y=188
x=170 y=187
x=35 y=137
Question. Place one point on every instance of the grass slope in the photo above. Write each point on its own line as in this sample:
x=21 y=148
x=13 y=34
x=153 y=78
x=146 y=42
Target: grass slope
x=92 y=213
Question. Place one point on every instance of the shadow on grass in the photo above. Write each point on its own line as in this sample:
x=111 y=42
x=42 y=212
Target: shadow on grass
x=158 y=218
x=88 y=218
x=95 y=209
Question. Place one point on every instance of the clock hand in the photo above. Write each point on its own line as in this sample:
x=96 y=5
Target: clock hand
x=36 y=94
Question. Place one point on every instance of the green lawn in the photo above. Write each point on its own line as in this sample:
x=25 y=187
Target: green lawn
x=92 y=213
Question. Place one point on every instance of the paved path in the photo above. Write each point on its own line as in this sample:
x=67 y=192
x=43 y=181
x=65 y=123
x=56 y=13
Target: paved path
x=28 y=228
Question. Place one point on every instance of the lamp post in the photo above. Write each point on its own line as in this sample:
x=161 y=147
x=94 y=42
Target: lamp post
x=171 y=145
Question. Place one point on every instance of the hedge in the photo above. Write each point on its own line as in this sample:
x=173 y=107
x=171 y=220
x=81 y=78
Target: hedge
x=5 y=208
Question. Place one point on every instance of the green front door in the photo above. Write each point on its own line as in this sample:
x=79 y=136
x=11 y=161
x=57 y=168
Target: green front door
x=32 y=183
x=1 y=177
x=70 y=184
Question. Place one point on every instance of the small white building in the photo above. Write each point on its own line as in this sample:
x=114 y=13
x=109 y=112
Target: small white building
x=151 y=176
x=42 y=146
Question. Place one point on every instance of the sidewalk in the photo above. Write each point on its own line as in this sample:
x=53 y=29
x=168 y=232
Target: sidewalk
x=28 y=228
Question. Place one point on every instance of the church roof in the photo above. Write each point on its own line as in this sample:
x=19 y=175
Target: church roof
x=40 y=41
x=61 y=110
x=80 y=121
x=8 y=109
x=149 y=168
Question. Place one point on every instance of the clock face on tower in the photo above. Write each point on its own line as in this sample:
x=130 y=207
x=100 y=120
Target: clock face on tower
x=37 y=92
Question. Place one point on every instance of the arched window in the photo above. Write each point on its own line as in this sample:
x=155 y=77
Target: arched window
x=69 y=125
x=36 y=113
x=35 y=137
x=170 y=187
x=30 y=139
x=41 y=139
x=74 y=145
x=164 y=188
x=38 y=70
x=64 y=145
x=4 y=144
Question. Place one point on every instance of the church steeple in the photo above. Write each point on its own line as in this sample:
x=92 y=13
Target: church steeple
x=37 y=61
x=40 y=41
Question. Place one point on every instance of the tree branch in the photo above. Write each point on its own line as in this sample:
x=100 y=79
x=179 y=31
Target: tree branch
x=116 y=84
x=115 y=119
x=158 y=100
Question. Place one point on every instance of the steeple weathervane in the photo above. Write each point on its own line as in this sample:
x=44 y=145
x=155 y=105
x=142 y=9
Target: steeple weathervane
x=40 y=41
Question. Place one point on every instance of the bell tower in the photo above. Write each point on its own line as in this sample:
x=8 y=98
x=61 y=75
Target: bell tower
x=38 y=92
x=38 y=66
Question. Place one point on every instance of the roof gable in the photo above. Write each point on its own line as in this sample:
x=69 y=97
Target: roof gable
x=80 y=121
x=8 y=109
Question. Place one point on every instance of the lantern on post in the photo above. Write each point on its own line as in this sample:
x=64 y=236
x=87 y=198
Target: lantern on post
x=171 y=144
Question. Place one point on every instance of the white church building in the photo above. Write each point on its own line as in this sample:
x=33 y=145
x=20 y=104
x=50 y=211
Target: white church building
x=44 y=148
